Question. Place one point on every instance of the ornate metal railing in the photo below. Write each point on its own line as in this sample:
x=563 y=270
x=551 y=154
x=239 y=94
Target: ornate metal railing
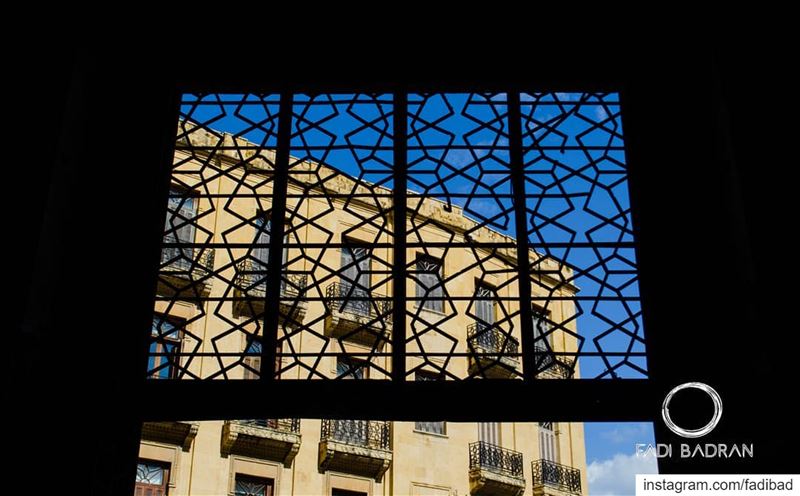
x=547 y=363
x=288 y=425
x=366 y=433
x=251 y=277
x=492 y=339
x=547 y=473
x=181 y=262
x=485 y=456
x=343 y=297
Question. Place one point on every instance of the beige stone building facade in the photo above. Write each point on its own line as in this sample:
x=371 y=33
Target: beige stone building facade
x=335 y=321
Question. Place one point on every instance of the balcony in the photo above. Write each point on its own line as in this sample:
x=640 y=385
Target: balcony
x=356 y=315
x=267 y=439
x=550 y=367
x=554 y=479
x=177 y=433
x=183 y=274
x=359 y=447
x=250 y=291
x=495 y=471
x=494 y=353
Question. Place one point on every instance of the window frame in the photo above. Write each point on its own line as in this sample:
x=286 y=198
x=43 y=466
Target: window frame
x=421 y=301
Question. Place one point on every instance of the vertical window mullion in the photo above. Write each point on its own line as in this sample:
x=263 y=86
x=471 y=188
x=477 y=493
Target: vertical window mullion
x=399 y=272
x=521 y=225
x=276 y=241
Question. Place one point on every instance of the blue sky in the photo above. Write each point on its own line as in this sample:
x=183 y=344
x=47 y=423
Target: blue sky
x=451 y=157
x=611 y=457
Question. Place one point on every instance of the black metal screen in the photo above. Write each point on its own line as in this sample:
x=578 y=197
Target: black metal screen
x=298 y=222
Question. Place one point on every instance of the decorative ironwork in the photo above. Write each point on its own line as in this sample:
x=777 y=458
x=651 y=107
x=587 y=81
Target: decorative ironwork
x=288 y=425
x=520 y=195
x=346 y=298
x=182 y=274
x=547 y=365
x=489 y=339
x=252 y=278
x=578 y=219
x=150 y=473
x=366 y=433
x=547 y=473
x=485 y=456
x=252 y=486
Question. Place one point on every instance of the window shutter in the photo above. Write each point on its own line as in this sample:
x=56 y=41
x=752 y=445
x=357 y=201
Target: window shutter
x=437 y=291
x=547 y=442
x=489 y=432
x=484 y=306
x=540 y=327
x=429 y=288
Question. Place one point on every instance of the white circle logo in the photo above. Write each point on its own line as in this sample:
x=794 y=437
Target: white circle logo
x=693 y=433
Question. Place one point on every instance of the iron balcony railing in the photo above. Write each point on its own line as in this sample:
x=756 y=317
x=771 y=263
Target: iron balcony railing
x=493 y=340
x=485 y=456
x=547 y=473
x=181 y=262
x=287 y=425
x=251 y=277
x=365 y=433
x=547 y=363
x=345 y=298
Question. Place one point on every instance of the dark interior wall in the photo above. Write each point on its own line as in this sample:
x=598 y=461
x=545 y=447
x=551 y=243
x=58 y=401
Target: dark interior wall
x=85 y=208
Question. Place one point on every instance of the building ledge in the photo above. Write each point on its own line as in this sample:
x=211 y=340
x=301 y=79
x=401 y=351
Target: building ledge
x=485 y=481
x=178 y=433
x=354 y=459
x=259 y=441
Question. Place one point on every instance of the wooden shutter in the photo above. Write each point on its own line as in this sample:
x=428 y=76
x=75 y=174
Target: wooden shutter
x=429 y=288
x=547 y=442
x=484 y=305
x=489 y=432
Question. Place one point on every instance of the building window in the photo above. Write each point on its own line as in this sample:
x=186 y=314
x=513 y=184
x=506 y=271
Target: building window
x=489 y=432
x=252 y=359
x=260 y=252
x=252 y=486
x=541 y=327
x=547 y=442
x=484 y=304
x=430 y=427
x=484 y=313
x=165 y=347
x=351 y=368
x=430 y=292
x=179 y=229
x=355 y=279
x=151 y=478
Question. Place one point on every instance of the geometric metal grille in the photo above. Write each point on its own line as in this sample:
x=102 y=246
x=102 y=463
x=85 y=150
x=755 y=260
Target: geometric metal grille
x=283 y=234
x=578 y=217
